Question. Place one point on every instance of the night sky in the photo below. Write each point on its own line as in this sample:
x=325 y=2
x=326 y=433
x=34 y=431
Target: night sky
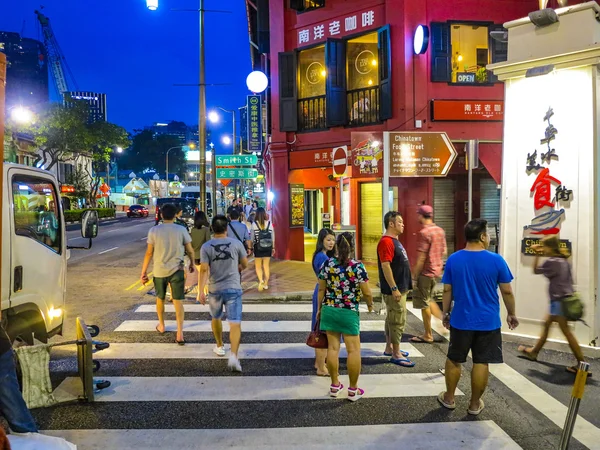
x=135 y=55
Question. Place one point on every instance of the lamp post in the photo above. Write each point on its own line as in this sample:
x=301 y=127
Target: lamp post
x=214 y=118
x=119 y=150
x=167 y=160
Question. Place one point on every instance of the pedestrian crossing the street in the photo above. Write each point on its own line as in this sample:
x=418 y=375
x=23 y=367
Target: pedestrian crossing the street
x=165 y=396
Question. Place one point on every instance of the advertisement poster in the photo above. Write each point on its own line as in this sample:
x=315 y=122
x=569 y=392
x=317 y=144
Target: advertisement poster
x=366 y=155
x=297 y=205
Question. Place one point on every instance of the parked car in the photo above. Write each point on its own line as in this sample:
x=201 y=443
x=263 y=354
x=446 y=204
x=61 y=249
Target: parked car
x=137 y=211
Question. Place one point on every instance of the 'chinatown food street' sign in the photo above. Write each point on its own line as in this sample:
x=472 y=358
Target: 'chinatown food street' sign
x=528 y=243
x=420 y=154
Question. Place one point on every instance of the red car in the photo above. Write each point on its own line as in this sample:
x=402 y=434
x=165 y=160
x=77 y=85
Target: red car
x=137 y=211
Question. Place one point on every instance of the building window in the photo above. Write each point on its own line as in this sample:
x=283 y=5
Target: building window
x=362 y=68
x=306 y=5
x=311 y=89
x=461 y=51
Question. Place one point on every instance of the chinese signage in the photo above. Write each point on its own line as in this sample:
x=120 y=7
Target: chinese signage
x=527 y=243
x=420 y=154
x=548 y=191
x=297 y=205
x=254 y=123
x=238 y=160
x=467 y=110
x=367 y=154
x=340 y=26
x=237 y=174
x=311 y=158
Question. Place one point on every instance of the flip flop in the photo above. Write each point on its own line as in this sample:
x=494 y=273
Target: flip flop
x=420 y=340
x=158 y=331
x=527 y=353
x=405 y=354
x=180 y=342
x=444 y=403
x=573 y=370
x=476 y=412
x=404 y=362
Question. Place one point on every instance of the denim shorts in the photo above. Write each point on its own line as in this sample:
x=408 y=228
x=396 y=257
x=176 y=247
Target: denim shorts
x=231 y=299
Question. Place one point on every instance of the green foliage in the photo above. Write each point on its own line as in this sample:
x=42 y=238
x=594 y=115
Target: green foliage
x=482 y=75
x=80 y=181
x=74 y=215
x=147 y=152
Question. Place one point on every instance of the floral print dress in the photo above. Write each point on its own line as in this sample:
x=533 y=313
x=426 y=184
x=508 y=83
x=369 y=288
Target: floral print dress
x=343 y=283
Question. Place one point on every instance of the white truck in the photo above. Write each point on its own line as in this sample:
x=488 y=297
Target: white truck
x=35 y=253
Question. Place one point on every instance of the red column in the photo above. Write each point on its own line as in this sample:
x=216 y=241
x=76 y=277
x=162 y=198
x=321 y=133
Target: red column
x=280 y=207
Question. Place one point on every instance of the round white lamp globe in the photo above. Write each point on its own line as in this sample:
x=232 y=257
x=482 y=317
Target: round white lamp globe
x=421 y=39
x=257 y=82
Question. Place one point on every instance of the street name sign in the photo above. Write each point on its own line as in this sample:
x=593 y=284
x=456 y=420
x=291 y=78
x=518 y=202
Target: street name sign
x=237 y=174
x=236 y=160
x=420 y=154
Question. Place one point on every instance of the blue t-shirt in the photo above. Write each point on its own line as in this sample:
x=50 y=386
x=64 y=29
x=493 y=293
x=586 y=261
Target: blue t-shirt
x=474 y=277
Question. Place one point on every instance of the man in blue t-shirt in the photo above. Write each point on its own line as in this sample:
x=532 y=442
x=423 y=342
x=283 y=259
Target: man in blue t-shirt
x=471 y=278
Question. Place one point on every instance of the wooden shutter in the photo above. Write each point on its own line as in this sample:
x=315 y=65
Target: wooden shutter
x=443 y=208
x=499 y=51
x=385 y=73
x=288 y=91
x=335 y=92
x=441 y=52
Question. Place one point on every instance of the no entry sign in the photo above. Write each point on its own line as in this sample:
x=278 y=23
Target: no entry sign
x=340 y=161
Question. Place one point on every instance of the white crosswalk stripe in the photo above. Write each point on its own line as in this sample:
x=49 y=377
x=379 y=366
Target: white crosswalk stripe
x=208 y=386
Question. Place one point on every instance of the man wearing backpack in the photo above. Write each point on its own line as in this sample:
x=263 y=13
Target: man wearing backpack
x=238 y=230
x=264 y=247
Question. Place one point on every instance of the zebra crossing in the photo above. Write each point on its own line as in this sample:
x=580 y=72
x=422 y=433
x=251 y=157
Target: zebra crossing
x=164 y=396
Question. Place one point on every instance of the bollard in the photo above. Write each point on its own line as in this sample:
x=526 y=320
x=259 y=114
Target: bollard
x=576 y=395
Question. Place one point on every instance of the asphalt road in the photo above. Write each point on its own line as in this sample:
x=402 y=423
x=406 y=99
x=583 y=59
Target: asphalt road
x=525 y=400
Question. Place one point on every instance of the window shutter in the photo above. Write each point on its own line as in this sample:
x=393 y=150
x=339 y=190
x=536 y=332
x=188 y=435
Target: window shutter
x=441 y=52
x=335 y=90
x=288 y=92
x=499 y=51
x=385 y=73
x=297 y=5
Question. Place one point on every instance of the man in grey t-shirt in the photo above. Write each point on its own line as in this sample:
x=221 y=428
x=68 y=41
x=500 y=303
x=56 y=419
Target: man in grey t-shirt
x=223 y=257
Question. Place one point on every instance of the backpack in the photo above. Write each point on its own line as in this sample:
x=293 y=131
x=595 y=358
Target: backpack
x=572 y=306
x=264 y=238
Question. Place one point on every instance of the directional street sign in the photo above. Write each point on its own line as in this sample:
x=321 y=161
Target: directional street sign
x=237 y=160
x=420 y=154
x=237 y=174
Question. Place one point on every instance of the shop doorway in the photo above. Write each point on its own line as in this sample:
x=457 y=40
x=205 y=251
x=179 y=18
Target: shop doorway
x=313 y=204
x=371 y=219
x=490 y=209
x=444 y=190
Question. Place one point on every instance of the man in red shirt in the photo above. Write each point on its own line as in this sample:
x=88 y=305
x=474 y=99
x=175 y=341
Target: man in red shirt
x=431 y=247
x=395 y=282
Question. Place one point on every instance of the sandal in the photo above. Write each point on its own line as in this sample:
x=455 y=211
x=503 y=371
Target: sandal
x=527 y=352
x=476 y=412
x=444 y=403
x=404 y=362
x=420 y=340
x=334 y=391
x=405 y=354
x=574 y=369
x=160 y=332
x=355 y=394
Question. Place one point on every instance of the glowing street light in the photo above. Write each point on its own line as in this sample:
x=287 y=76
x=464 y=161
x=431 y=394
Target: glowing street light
x=22 y=115
x=213 y=117
x=152 y=5
x=226 y=140
x=119 y=149
x=257 y=82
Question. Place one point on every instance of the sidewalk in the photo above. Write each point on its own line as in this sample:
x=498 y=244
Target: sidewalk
x=290 y=280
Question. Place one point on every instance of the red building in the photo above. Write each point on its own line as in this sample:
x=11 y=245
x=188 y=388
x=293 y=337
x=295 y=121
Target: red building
x=342 y=67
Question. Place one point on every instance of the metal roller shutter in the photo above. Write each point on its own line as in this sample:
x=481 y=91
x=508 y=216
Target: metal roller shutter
x=443 y=208
x=371 y=219
x=490 y=207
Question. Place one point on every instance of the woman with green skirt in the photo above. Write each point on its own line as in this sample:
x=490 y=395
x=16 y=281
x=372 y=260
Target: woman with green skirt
x=342 y=283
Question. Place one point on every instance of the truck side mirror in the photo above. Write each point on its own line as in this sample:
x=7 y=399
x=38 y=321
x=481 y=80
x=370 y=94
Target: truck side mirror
x=89 y=224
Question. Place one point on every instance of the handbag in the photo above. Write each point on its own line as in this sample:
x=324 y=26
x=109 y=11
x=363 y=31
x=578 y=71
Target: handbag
x=317 y=338
x=572 y=307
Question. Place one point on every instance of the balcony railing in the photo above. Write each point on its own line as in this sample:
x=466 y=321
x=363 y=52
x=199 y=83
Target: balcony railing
x=363 y=107
x=311 y=114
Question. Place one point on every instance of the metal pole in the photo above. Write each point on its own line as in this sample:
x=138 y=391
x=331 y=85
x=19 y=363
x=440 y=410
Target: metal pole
x=576 y=395
x=202 y=114
x=2 y=190
x=167 y=168
x=470 y=153
x=215 y=209
x=341 y=201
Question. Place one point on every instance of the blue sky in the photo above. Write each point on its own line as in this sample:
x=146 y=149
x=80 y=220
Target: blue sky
x=136 y=56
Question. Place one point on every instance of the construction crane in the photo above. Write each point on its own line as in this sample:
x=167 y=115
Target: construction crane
x=56 y=59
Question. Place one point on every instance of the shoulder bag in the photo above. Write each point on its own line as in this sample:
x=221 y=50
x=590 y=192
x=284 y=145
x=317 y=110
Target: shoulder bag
x=317 y=338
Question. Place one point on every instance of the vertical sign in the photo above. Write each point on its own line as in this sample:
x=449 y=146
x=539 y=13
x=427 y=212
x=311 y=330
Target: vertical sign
x=297 y=205
x=254 y=124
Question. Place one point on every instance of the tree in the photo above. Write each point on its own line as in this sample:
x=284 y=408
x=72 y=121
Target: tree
x=149 y=153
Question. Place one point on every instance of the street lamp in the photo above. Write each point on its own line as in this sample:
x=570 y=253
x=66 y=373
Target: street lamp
x=21 y=115
x=257 y=82
x=152 y=5
x=226 y=140
x=119 y=149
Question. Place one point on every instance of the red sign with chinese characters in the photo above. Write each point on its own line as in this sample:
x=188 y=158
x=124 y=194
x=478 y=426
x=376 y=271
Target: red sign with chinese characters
x=341 y=26
x=311 y=158
x=467 y=110
x=366 y=155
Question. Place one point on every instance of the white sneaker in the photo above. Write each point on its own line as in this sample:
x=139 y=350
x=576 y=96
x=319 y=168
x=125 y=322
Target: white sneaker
x=219 y=351
x=234 y=364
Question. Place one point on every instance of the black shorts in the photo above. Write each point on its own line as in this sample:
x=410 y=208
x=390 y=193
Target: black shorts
x=485 y=346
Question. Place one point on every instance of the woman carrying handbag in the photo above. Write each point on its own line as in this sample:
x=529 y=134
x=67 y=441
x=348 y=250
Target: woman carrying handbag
x=342 y=283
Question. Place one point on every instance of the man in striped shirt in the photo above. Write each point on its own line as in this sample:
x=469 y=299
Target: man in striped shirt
x=431 y=247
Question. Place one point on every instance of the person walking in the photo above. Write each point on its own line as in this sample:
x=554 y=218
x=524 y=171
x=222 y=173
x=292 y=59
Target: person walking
x=264 y=247
x=200 y=234
x=343 y=282
x=167 y=244
x=431 y=247
x=12 y=406
x=325 y=250
x=559 y=273
x=223 y=257
x=395 y=282
x=471 y=278
x=238 y=230
x=248 y=208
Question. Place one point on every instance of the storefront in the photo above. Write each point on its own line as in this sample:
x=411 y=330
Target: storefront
x=550 y=179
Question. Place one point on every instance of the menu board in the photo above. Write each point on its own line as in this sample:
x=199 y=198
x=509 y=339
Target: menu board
x=296 y=205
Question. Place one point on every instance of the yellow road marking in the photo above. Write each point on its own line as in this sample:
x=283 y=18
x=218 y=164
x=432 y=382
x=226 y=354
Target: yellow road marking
x=137 y=282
